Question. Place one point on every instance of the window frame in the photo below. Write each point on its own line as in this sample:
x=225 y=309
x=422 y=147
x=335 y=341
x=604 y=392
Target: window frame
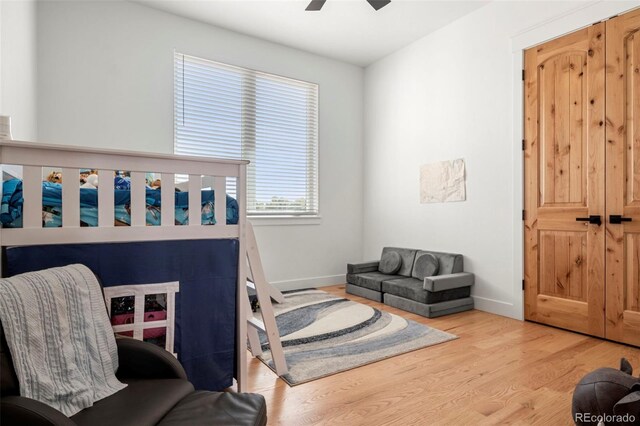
x=272 y=217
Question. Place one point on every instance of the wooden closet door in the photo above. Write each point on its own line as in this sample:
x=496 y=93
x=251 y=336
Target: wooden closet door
x=564 y=181
x=623 y=178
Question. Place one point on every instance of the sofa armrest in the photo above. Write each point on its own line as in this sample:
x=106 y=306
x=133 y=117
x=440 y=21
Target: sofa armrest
x=19 y=410
x=143 y=360
x=449 y=281
x=359 y=268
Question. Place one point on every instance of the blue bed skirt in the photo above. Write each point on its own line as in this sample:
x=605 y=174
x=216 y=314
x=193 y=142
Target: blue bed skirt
x=205 y=309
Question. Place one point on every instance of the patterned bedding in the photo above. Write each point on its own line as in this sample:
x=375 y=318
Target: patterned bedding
x=12 y=201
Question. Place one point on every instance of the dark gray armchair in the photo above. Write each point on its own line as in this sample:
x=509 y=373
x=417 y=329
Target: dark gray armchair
x=158 y=393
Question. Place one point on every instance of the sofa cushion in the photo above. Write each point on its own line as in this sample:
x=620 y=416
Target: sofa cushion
x=448 y=263
x=373 y=280
x=361 y=268
x=407 y=255
x=429 y=310
x=412 y=288
x=447 y=282
x=390 y=262
x=152 y=400
x=218 y=408
x=426 y=265
x=363 y=292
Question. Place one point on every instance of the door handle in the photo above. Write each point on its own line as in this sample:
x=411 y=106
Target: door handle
x=617 y=219
x=594 y=219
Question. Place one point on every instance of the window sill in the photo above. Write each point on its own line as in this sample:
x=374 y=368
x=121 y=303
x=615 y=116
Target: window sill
x=284 y=220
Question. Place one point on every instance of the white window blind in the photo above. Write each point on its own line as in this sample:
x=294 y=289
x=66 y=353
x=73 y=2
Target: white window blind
x=231 y=112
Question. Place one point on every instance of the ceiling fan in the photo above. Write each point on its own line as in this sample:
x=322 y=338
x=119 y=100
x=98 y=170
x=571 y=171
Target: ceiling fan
x=316 y=5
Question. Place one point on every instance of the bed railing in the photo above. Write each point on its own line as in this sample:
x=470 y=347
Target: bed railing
x=69 y=160
x=34 y=157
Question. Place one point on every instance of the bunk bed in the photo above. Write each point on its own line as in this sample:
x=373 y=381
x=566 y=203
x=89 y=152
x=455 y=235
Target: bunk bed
x=204 y=260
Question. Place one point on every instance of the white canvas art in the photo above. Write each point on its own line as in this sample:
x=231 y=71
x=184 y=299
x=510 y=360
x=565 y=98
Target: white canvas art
x=443 y=182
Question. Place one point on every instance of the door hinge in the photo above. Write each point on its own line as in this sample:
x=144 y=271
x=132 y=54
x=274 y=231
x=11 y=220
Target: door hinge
x=522 y=75
x=524 y=215
x=524 y=145
x=523 y=284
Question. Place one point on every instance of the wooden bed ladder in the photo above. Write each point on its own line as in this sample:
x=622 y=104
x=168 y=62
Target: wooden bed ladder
x=265 y=292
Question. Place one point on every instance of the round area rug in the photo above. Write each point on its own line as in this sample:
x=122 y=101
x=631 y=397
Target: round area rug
x=323 y=335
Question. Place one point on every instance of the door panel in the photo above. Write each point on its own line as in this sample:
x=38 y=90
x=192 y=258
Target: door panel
x=564 y=180
x=564 y=272
x=561 y=97
x=623 y=178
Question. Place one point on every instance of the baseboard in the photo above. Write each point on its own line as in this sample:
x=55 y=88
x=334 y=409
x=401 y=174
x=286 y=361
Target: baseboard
x=497 y=307
x=310 y=282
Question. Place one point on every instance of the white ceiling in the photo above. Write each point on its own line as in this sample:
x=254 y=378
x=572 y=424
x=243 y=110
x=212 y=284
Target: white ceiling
x=348 y=30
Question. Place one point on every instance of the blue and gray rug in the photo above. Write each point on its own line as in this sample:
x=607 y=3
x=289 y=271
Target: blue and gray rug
x=323 y=335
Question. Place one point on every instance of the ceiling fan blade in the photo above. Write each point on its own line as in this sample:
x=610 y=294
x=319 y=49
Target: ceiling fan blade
x=316 y=5
x=378 y=4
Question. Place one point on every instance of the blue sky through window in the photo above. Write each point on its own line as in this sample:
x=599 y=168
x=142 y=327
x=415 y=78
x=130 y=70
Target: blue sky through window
x=229 y=112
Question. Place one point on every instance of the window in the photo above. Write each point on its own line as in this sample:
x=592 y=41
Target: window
x=272 y=121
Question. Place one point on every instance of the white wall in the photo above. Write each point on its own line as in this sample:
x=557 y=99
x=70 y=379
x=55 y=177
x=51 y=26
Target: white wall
x=450 y=95
x=105 y=79
x=18 y=66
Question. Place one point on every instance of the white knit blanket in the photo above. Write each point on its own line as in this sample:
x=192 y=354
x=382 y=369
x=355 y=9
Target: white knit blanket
x=60 y=338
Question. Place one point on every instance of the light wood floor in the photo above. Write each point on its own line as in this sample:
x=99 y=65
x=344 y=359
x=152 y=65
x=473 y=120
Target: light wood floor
x=499 y=371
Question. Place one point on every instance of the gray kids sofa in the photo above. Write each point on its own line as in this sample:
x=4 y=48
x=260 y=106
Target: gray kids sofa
x=426 y=283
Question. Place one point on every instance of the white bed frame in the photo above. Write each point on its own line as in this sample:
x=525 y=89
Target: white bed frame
x=69 y=159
